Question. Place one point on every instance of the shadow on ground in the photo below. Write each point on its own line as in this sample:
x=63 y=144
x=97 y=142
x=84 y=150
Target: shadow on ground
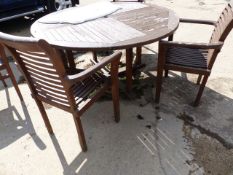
x=152 y=139
x=13 y=125
x=149 y=139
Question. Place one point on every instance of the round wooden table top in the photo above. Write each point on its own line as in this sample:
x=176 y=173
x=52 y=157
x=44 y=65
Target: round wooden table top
x=134 y=25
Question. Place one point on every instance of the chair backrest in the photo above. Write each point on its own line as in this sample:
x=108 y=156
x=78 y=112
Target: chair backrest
x=223 y=27
x=224 y=24
x=42 y=67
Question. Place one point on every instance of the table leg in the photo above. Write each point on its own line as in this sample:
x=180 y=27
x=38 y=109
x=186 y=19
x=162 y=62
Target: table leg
x=129 y=68
x=138 y=56
x=94 y=54
x=70 y=58
x=64 y=58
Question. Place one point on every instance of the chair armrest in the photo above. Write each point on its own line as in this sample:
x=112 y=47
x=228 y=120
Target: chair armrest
x=217 y=45
x=197 y=21
x=113 y=59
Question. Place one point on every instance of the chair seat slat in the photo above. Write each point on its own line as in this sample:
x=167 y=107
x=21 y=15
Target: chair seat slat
x=186 y=57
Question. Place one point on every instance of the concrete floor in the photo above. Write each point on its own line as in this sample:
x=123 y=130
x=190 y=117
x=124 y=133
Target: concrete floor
x=148 y=140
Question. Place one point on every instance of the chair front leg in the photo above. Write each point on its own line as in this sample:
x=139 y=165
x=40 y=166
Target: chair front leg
x=160 y=68
x=14 y=82
x=199 y=79
x=201 y=89
x=80 y=132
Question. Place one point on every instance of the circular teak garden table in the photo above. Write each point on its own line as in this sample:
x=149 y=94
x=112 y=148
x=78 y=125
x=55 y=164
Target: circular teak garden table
x=135 y=25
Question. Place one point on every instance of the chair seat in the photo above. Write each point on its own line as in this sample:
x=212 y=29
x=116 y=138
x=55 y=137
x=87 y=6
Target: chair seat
x=193 y=58
x=86 y=89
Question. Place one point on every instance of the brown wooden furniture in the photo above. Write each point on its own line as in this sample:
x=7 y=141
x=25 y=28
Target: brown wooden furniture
x=133 y=26
x=43 y=68
x=197 y=58
x=4 y=66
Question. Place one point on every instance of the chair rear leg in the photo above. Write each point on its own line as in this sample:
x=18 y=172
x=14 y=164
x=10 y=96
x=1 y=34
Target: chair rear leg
x=14 y=82
x=115 y=99
x=199 y=79
x=80 y=132
x=17 y=88
x=10 y=73
x=18 y=91
x=201 y=89
x=44 y=116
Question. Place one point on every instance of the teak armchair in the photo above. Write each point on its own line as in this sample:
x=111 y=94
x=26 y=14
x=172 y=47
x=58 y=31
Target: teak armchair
x=4 y=66
x=49 y=82
x=196 y=58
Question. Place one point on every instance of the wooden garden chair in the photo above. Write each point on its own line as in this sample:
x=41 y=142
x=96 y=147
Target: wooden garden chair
x=4 y=66
x=49 y=82
x=196 y=58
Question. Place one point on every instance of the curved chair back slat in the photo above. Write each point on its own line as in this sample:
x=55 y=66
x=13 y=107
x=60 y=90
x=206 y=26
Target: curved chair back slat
x=223 y=27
